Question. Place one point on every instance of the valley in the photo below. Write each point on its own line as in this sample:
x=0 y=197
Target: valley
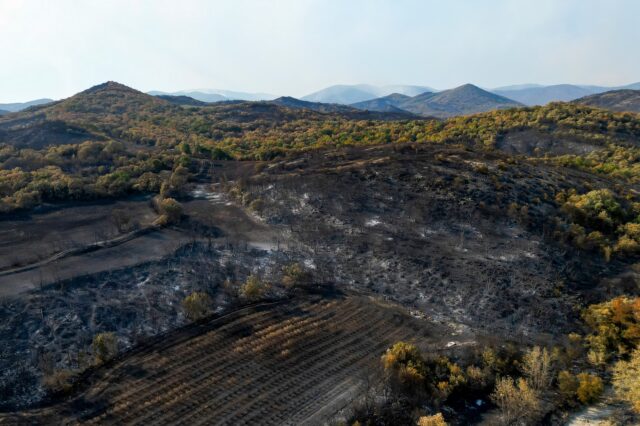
x=253 y=261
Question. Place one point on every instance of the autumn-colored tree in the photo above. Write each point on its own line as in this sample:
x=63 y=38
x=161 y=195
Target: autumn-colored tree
x=568 y=385
x=537 y=368
x=170 y=212
x=404 y=368
x=590 y=388
x=626 y=380
x=253 y=288
x=516 y=401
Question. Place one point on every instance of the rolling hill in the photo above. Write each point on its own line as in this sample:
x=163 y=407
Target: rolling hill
x=19 y=106
x=350 y=94
x=182 y=100
x=388 y=103
x=216 y=95
x=463 y=222
x=544 y=95
x=463 y=100
x=615 y=100
x=534 y=94
x=345 y=111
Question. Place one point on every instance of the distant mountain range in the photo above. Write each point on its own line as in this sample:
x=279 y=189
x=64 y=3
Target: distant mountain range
x=215 y=95
x=530 y=94
x=615 y=100
x=19 y=106
x=466 y=99
x=344 y=110
x=350 y=94
x=526 y=94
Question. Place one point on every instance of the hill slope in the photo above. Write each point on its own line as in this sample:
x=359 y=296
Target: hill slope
x=182 y=100
x=350 y=94
x=348 y=112
x=4 y=112
x=615 y=100
x=389 y=103
x=546 y=94
x=463 y=100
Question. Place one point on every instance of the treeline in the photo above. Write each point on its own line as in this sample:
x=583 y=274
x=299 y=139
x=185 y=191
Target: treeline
x=509 y=384
x=178 y=136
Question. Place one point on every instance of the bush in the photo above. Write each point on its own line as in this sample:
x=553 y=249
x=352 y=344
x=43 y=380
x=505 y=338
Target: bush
x=435 y=420
x=105 y=347
x=295 y=275
x=253 y=289
x=590 y=388
x=568 y=385
x=58 y=381
x=197 y=305
x=404 y=367
x=170 y=212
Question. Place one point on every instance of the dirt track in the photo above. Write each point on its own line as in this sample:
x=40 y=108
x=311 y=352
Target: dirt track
x=286 y=364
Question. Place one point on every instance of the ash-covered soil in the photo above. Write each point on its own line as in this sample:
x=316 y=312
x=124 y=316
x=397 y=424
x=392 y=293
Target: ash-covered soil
x=53 y=328
x=440 y=230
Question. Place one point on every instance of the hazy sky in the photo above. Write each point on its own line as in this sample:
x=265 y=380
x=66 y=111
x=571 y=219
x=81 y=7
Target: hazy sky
x=54 y=48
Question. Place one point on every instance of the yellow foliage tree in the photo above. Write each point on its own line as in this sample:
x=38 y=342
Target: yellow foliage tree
x=253 y=289
x=626 y=380
x=590 y=388
x=197 y=305
x=516 y=401
x=435 y=420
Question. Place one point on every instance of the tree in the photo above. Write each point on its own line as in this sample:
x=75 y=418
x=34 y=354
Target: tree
x=516 y=401
x=170 y=212
x=568 y=385
x=105 y=347
x=197 y=305
x=537 y=368
x=590 y=388
x=253 y=289
x=405 y=368
x=626 y=380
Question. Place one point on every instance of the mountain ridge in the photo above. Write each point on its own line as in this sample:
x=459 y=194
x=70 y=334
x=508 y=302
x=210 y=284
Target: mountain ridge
x=350 y=94
x=625 y=100
x=19 y=106
x=462 y=100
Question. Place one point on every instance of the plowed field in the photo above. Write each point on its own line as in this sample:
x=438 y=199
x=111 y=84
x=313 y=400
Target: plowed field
x=291 y=363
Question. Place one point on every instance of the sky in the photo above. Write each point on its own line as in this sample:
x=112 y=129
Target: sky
x=293 y=47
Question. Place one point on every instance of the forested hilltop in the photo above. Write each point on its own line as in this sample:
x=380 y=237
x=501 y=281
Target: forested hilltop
x=111 y=140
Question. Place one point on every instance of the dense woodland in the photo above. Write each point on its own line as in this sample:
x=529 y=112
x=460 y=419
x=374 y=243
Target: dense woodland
x=133 y=142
